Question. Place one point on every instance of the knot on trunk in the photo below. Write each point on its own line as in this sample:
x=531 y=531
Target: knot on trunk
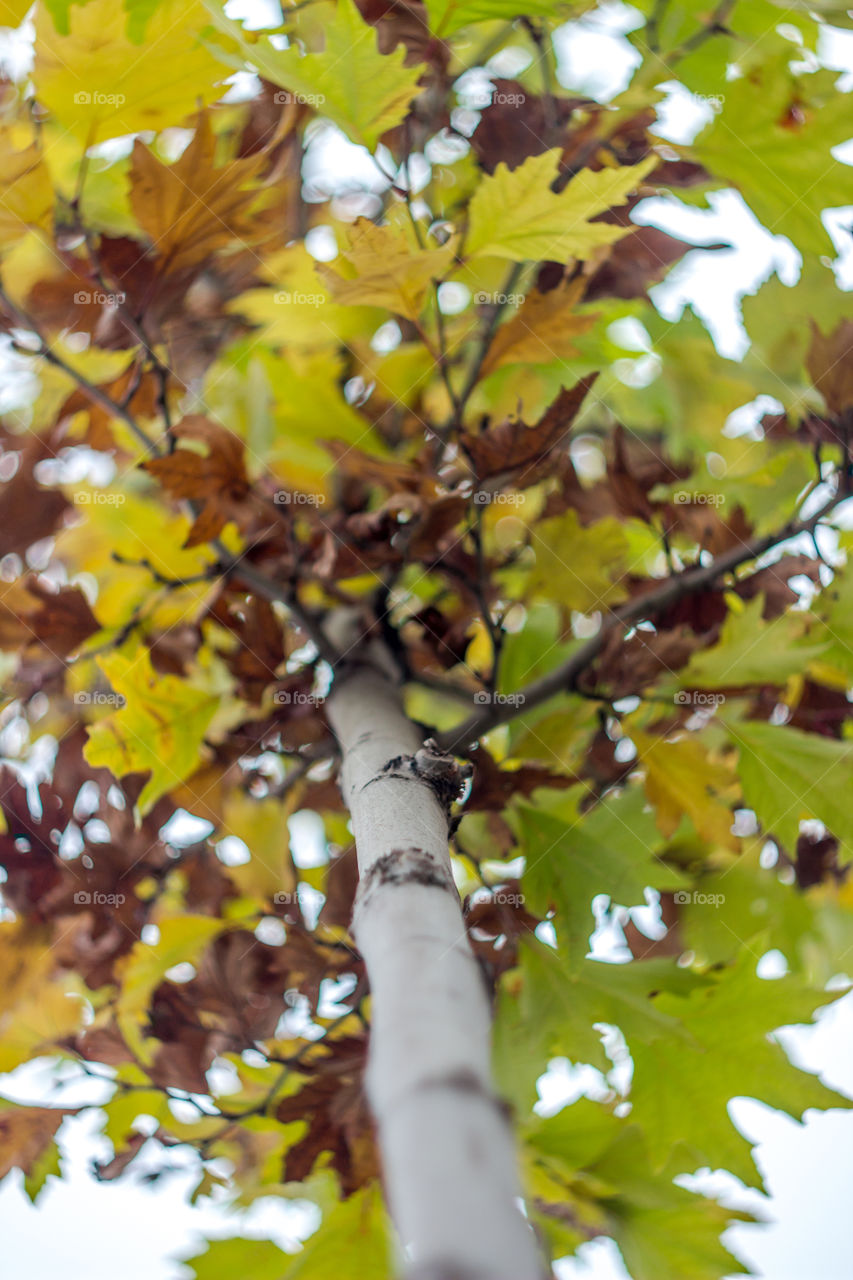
x=438 y=769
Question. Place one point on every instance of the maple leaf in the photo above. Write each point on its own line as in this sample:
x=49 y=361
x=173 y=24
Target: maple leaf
x=189 y=720
x=387 y=270
x=773 y=139
x=830 y=363
x=26 y=191
x=515 y=214
x=25 y=1135
x=541 y=331
x=514 y=450
x=217 y=479
x=159 y=726
x=363 y=91
x=192 y=208
x=101 y=84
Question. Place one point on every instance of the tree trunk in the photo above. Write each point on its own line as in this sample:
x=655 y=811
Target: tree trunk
x=447 y=1151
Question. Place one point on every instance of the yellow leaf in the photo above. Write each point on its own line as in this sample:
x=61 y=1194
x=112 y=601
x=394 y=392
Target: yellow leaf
x=514 y=213
x=541 y=330
x=159 y=728
x=99 y=84
x=298 y=311
x=182 y=940
x=36 y=1011
x=309 y=408
x=387 y=270
x=680 y=779
x=138 y=529
x=26 y=193
x=577 y=565
x=13 y=12
x=262 y=826
x=479 y=655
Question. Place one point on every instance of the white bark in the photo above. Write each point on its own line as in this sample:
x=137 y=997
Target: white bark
x=447 y=1151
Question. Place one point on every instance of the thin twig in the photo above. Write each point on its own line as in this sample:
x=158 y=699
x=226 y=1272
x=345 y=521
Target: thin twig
x=668 y=591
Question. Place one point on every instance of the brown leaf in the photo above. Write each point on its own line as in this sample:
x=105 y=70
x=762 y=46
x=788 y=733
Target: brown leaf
x=821 y=710
x=542 y=330
x=142 y=404
x=217 y=479
x=339 y=888
x=637 y=261
x=626 y=667
x=514 y=450
x=517 y=124
x=439 y=518
x=339 y=1121
x=108 y=1170
x=260 y=643
x=830 y=365
x=772 y=582
x=634 y=468
x=64 y=619
x=493 y=787
x=28 y=511
x=192 y=208
x=25 y=1135
x=817 y=860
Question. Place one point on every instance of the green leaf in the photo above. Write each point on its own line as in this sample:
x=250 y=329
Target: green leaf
x=159 y=728
x=788 y=775
x=352 y=1243
x=448 y=16
x=742 y=901
x=248 y=1259
x=836 y=606
x=602 y=1162
x=514 y=213
x=681 y=1089
x=362 y=91
x=751 y=651
x=577 y=564
x=612 y=849
x=548 y=1009
x=773 y=140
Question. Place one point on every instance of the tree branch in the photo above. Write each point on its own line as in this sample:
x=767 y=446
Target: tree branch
x=667 y=592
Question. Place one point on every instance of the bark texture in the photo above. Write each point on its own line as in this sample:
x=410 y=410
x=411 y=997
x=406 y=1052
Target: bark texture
x=447 y=1149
